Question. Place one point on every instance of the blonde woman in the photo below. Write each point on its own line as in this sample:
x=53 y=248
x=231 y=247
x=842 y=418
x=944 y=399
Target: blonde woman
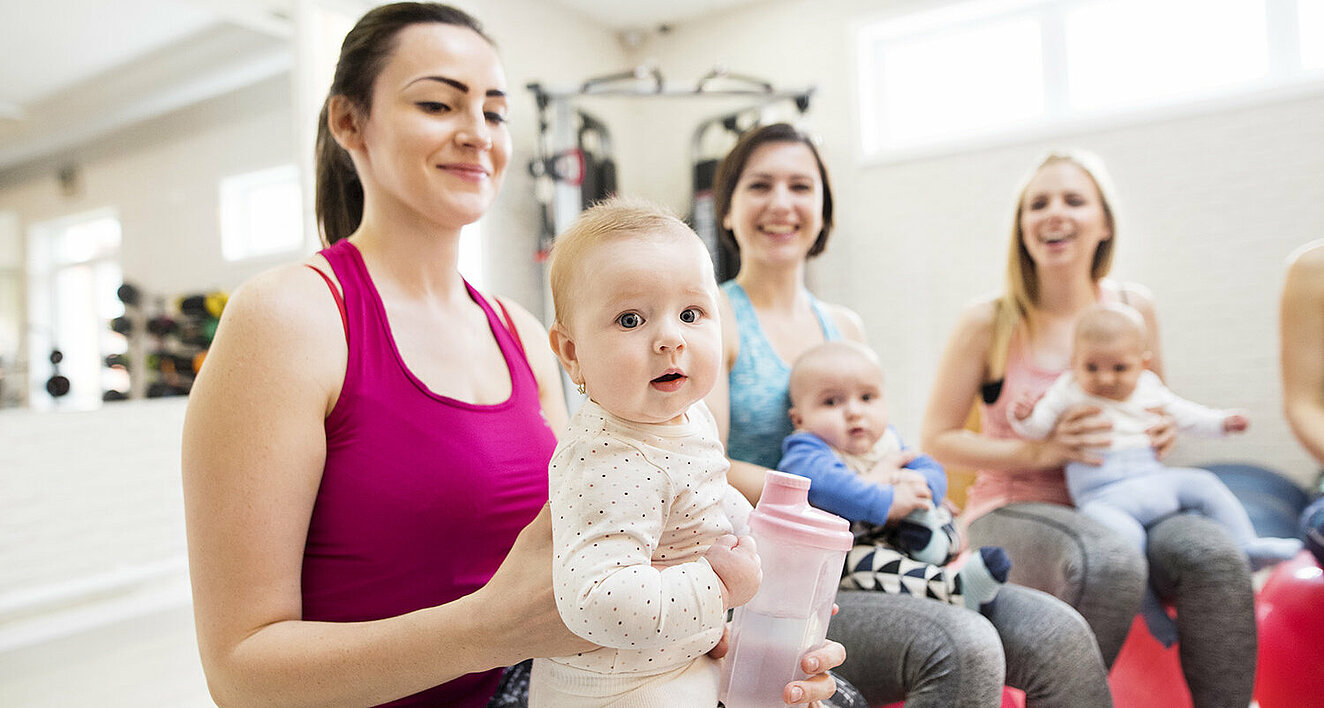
x=1013 y=346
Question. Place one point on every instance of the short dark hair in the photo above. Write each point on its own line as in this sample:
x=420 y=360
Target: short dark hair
x=731 y=167
x=364 y=53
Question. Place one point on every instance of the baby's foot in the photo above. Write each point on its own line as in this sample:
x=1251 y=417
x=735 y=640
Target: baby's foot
x=927 y=535
x=1266 y=551
x=982 y=576
x=1157 y=619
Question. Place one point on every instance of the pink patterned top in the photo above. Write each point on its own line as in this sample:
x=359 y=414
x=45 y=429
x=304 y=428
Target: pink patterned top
x=422 y=495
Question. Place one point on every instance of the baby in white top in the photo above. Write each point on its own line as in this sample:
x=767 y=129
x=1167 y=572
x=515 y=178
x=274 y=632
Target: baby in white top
x=645 y=560
x=1131 y=489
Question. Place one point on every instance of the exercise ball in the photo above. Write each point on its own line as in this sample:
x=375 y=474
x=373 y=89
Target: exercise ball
x=1273 y=502
x=1290 y=614
x=1147 y=674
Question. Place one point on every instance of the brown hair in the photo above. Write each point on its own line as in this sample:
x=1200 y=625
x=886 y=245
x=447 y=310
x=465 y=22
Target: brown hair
x=613 y=218
x=733 y=165
x=364 y=53
x=1022 y=289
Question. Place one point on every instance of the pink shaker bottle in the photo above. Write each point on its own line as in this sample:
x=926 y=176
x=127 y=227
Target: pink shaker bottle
x=802 y=550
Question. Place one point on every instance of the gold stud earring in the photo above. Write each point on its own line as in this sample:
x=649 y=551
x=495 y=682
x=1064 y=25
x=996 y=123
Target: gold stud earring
x=580 y=386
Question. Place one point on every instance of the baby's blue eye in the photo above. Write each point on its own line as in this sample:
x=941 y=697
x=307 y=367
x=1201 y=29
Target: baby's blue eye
x=630 y=320
x=689 y=316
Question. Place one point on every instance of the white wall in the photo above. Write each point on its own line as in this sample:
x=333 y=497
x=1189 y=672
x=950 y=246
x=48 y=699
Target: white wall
x=163 y=179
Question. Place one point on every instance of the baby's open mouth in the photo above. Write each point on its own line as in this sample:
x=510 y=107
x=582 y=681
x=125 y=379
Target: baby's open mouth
x=664 y=378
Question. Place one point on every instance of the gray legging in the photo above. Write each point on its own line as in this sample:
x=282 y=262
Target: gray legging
x=1194 y=563
x=936 y=655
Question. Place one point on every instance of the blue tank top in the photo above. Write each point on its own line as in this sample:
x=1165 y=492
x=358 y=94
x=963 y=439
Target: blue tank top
x=759 y=385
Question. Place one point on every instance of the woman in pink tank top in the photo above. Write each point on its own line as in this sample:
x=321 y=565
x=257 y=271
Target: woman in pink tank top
x=369 y=437
x=1013 y=346
x=365 y=452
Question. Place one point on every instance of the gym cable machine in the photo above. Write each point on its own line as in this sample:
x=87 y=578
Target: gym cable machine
x=573 y=165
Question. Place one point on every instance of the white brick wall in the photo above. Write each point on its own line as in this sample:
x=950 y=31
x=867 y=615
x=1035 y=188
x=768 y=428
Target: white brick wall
x=94 y=598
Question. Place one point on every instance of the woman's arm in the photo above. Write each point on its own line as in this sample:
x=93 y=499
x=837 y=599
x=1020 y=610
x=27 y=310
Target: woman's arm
x=1302 y=347
x=253 y=451
x=961 y=372
x=744 y=476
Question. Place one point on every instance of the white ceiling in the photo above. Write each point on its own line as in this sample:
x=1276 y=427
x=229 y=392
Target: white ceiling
x=73 y=70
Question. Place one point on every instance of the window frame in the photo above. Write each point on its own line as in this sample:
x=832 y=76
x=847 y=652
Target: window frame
x=1286 y=78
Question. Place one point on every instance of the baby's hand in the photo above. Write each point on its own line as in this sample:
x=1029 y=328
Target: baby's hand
x=737 y=565
x=911 y=492
x=1022 y=407
x=888 y=469
x=1236 y=423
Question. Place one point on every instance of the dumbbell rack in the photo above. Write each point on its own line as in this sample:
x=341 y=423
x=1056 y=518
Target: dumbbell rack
x=168 y=341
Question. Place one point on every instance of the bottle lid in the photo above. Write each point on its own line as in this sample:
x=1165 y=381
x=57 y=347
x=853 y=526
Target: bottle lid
x=784 y=512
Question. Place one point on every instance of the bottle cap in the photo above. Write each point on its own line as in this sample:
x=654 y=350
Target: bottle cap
x=784 y=513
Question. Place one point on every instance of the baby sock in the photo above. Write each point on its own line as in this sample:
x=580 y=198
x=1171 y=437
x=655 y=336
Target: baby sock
x=976 y=585
x=1157 y=619
x=1264 y=552
x=927 y=535
x=982 y=576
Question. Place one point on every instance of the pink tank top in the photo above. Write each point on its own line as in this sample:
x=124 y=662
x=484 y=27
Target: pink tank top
x=422 y=495
x=995 y=488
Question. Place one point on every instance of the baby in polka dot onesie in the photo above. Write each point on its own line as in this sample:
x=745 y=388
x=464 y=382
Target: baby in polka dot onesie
x=645 y=557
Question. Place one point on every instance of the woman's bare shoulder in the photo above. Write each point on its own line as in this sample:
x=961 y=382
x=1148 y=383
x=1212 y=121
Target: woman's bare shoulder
x=847 y=321
x=1307 y=261
x=1132 y=293
x=284 y=311
x=979 y=314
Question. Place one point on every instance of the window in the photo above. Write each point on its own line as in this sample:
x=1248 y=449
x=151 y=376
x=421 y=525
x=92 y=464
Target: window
x=261 y=214
x=976 y=79
x=999 y=68
x=1310 y=25
x=74 y=271
x=1182 y=49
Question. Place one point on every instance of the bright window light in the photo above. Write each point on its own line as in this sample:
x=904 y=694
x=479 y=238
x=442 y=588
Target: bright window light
x=993 y=70
x=960 y=83
x=261 y=214
x=1310 y=21
x=1121 y=53
x=73 y=273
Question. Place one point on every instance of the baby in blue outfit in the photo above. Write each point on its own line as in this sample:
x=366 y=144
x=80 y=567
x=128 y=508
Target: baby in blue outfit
x=860 y=470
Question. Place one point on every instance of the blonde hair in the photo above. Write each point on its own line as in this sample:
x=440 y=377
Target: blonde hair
x=816 y=357
x=1022 y=287
x=610 y=219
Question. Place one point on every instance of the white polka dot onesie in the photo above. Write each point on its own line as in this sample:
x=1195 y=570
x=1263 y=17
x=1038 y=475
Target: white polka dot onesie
x=634 y=507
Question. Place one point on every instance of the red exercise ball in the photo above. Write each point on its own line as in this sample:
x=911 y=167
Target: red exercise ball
x=1290 y=614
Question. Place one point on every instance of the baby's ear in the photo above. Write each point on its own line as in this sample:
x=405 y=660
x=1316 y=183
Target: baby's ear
x=796 y=418
x=1146 y=357
x=564 y=348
